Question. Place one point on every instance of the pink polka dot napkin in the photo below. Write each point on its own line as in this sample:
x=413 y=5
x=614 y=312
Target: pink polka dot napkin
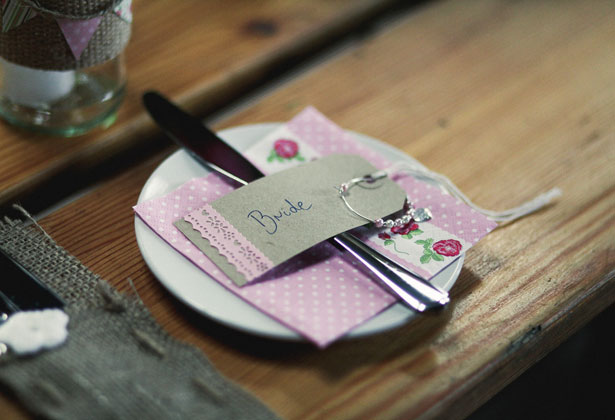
x=320 y=293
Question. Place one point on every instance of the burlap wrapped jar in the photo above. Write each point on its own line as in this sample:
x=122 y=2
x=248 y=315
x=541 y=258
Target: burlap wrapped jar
x=39 y=43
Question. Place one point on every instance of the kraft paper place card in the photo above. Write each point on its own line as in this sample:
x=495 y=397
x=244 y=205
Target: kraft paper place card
x=267 y=222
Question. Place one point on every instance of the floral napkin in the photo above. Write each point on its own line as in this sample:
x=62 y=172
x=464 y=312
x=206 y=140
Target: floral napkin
x=320 y=293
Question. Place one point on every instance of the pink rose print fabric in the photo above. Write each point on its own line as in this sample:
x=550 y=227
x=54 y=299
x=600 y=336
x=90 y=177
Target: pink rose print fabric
x=285 y=149
x=448 y=248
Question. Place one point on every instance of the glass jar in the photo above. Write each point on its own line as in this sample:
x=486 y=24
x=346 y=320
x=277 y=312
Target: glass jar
x=61 y=63
x=65 y=103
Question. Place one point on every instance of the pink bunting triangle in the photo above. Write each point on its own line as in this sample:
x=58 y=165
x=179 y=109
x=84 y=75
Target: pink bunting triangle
x=78 y=33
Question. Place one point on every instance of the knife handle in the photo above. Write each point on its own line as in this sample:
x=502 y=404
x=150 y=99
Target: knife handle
x=20 y=290
x=418 y=293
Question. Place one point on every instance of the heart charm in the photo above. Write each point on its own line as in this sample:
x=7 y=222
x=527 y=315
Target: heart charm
x=421 y=215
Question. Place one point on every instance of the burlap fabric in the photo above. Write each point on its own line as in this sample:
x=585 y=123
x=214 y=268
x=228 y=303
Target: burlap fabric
x=39 y=43
x=117 y=362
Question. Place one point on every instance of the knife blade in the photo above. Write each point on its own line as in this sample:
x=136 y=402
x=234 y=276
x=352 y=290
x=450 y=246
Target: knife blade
x=213 y=152
x=20 y=290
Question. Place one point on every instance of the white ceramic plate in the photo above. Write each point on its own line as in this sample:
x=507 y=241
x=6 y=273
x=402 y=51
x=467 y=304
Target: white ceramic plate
x=207 y=296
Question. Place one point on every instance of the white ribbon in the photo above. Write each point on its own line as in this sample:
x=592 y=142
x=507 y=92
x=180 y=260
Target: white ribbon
x=503 y=216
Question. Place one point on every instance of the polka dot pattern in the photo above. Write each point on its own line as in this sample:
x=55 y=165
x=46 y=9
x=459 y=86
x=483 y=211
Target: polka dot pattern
x=321 y=293
x=327 y=138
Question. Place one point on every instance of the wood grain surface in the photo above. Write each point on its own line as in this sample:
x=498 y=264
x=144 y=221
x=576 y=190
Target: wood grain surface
x=201 y=53
x=508 y=99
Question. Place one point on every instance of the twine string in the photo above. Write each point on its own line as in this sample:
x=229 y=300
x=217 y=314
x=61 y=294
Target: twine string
x=503 y=216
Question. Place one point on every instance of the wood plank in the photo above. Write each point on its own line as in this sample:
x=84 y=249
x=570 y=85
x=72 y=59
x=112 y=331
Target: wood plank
x=508 y=99
x=201 y=53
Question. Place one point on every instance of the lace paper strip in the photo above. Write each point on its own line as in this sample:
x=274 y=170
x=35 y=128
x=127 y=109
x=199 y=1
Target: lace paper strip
x=229 y=242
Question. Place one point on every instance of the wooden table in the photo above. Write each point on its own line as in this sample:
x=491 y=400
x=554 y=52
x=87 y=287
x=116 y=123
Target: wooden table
x=508 y=99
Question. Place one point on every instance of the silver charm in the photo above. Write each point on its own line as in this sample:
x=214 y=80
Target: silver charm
x=421 y=215
x=409 y=212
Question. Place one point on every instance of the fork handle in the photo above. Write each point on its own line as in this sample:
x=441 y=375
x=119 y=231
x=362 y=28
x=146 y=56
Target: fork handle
x=417 y=292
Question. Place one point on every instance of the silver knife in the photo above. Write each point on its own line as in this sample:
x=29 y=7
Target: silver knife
x=211 y=151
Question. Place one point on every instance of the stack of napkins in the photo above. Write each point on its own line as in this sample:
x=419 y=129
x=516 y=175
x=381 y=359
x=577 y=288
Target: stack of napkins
x=319 y=293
